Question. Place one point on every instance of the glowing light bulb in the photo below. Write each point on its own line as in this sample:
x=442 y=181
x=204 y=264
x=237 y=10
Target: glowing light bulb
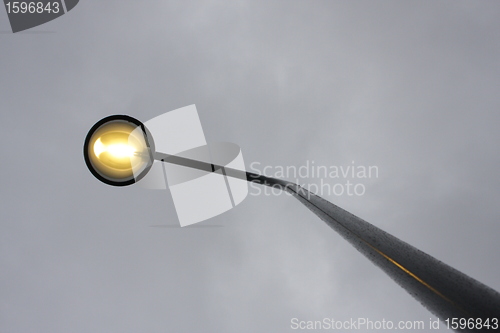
x=99 y=147
x=118 y=150
x=121 y=150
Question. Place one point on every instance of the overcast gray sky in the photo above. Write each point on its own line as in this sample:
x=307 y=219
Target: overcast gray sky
x=411 y=87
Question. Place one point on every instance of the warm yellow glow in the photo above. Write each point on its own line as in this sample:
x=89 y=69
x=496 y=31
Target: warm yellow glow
x=99 y=147
x=118 y=150
x=121 y=150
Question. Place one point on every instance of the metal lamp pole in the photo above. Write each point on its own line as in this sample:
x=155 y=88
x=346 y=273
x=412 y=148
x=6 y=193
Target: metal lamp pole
x=449 y=294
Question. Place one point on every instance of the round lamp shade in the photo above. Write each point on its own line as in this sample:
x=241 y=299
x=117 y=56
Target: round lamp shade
x=119 y=150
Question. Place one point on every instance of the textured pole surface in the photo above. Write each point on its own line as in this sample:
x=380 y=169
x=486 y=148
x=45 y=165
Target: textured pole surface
x=443 y=290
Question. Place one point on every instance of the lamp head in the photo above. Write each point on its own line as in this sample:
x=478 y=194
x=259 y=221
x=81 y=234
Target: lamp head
x=119 y=150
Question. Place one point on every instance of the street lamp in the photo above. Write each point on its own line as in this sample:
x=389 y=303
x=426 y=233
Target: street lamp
x=119 y=150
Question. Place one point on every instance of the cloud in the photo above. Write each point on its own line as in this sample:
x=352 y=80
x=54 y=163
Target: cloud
x=411 y=89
